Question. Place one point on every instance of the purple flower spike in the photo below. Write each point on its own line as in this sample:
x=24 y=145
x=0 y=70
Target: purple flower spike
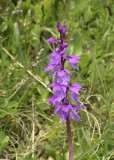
x=62 y=83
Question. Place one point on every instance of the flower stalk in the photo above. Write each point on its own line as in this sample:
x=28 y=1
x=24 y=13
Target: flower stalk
x=69 y=139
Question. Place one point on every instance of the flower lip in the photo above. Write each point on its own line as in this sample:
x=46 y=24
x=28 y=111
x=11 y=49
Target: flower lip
x=74 y=96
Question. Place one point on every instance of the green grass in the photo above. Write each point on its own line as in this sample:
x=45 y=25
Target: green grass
x=29 y=130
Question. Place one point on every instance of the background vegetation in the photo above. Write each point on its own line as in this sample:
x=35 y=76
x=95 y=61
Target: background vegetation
x=28 y=128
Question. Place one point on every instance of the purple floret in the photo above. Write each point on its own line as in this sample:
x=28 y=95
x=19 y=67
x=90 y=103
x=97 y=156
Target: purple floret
x=52 y=40
x=74 y=96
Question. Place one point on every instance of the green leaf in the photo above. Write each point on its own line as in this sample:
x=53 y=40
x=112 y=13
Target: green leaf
x=4 y=26
x=91 y=148
x=16 y=31
x=80 y=5
x=44 y=106
x=8 y=108
x=77 y=43
x=3 y=141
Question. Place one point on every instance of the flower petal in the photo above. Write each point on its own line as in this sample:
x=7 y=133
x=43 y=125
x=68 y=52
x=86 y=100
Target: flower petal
x=75 y=67
x=52 y=40
x=77 y=107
